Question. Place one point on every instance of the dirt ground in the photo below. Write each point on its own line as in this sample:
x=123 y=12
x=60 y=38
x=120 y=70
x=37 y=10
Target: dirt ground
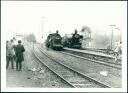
x=22 y=78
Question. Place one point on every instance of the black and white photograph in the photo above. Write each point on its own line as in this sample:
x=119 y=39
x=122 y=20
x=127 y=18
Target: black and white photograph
x=64 y=46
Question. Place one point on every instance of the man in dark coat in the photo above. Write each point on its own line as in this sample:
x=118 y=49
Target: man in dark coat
x=19 y=55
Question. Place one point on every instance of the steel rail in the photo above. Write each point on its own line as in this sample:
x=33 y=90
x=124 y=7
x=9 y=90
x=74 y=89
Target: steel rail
x=95 y=61
x=82 y=74
x=52 y=70
x=90 y=54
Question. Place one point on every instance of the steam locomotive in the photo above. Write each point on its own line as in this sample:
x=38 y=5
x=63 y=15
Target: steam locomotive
x=54 y=41
x=74 y=41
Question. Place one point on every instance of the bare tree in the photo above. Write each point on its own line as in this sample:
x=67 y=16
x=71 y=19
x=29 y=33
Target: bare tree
x=31 y=38
x=100 y=41
x=86 y=28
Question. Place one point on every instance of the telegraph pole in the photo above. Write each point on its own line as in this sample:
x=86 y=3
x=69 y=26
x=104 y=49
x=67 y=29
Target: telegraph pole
x=42 y=24
x=112 y=35
x=120 y=33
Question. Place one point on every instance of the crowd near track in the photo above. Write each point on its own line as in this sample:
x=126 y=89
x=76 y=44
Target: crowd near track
x=110 y=64
x=72 y=77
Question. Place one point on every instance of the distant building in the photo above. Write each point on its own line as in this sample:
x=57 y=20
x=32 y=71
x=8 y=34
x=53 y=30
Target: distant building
x=86 y=32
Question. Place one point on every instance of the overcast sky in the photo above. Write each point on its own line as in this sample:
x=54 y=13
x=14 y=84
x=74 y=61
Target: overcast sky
x=26 y=16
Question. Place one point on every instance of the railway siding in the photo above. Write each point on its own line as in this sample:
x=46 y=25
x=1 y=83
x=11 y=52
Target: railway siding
x=90 y=52
x=111 y=64
x=99 y=56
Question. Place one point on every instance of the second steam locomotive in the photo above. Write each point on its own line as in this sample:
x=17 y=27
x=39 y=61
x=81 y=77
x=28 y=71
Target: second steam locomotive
x=74 y=41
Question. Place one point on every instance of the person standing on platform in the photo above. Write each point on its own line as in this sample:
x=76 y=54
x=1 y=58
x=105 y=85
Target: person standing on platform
x=10 y=53
x=118 y=52
x=19 y=55
x=7 y=44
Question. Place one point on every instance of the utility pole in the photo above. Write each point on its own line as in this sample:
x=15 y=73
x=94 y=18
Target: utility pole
x=112 y=35
x=120 y=33
x=42 y=24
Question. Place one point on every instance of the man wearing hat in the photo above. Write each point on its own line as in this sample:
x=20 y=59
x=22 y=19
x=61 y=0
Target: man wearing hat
x=19 y=55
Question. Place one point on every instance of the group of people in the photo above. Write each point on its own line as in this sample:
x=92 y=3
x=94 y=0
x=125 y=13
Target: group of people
x=14 y=53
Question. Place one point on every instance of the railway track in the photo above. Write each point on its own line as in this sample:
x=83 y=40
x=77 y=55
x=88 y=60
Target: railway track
x=40 y=60
x=104 y=60
x=105 y=51
x=74 y=78
x=110 y=64
x=51 y=79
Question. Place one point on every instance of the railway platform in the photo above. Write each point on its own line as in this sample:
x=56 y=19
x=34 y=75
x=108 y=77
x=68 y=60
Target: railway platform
x=91 y=52
x=96 y=55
